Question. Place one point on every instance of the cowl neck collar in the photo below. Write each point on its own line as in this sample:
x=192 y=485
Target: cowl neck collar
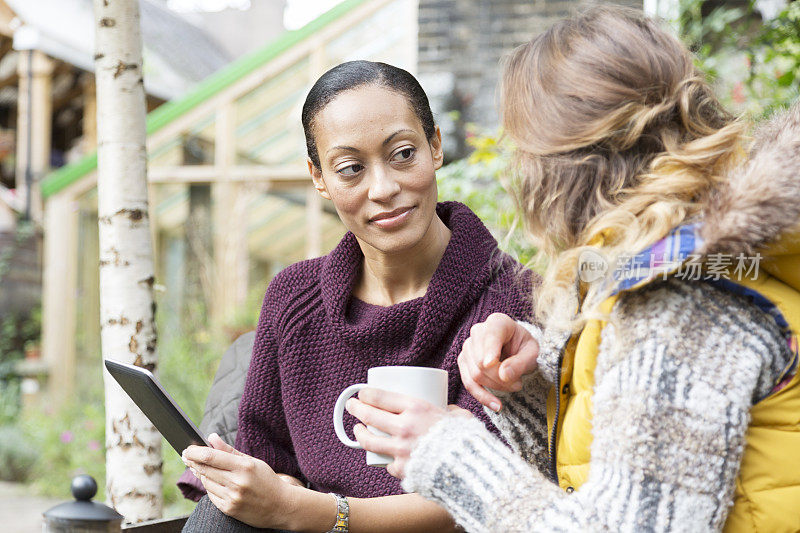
x=408 y=332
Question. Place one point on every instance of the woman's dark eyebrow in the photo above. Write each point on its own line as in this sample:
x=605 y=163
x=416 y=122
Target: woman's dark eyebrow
x=345 y=148
x=385 y=142
x=393 y=135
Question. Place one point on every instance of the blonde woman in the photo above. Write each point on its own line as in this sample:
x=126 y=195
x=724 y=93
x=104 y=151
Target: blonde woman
x=661 y=392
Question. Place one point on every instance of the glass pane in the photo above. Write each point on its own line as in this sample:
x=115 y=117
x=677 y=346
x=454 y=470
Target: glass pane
x=275 y=232
x=277 y=229
x=268 y=129
x=193 y=146
x=87 y=296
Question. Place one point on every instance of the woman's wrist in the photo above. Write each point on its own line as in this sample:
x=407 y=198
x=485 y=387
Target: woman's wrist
x=307 y=510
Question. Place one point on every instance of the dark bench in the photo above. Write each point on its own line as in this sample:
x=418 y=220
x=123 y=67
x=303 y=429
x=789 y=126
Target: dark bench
x=163 y=525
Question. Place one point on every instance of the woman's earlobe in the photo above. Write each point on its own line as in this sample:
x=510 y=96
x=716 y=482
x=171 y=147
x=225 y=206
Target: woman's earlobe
x=319 y=185
x=438 y=159
x=323 y=192
x=316 y=177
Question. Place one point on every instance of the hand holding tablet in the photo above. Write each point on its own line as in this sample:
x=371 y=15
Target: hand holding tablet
x=157 y=405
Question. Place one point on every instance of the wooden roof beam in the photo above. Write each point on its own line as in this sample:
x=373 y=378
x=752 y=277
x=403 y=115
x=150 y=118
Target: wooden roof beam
x=284 y=174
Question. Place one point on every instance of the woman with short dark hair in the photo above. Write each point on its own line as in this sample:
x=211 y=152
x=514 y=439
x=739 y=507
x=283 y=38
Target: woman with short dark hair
x=403 y=287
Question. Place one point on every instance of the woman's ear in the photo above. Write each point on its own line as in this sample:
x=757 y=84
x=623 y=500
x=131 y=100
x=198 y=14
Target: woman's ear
x=436 y=148
x=316 y=177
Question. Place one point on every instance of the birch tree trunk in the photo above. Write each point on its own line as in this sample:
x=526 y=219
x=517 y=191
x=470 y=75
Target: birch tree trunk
x=133 y=446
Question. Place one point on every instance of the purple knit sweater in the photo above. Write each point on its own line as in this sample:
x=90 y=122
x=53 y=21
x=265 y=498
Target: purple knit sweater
x=314 y=340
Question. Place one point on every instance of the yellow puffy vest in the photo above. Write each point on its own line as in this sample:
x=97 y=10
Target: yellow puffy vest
x=767 y=493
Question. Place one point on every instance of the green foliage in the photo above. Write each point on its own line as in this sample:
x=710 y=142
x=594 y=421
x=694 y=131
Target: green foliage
x=174 y=502
x=16 y=333
x=186 y=369
x=16 y=455
x=706 y=34
x=478 y=181
x=9 y=399
x=10 y=353
x=245 y=317
x=69 y=440
x=25 y=230
x=187 y=364
x=777 y=62
x=755 y=66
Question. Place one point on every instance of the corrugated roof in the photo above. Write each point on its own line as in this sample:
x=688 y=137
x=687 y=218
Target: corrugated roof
x=176 y=54
x=189 y=50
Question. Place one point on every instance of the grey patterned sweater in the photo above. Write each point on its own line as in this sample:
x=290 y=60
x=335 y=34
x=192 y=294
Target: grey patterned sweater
x=673 y=387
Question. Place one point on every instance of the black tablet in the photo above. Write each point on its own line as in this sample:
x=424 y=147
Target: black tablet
x=148 y=394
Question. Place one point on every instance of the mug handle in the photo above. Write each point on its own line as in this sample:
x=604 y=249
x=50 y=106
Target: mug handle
x=338 y=413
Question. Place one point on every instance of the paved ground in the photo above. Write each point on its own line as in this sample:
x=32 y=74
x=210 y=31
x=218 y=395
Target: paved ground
x=22 y=512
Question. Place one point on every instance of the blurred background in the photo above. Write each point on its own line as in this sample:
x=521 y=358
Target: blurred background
x=231 y=203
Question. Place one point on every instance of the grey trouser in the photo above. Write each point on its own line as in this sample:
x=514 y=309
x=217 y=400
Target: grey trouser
x=206 y=518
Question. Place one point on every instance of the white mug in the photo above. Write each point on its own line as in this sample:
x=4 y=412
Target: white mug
x=429 y=384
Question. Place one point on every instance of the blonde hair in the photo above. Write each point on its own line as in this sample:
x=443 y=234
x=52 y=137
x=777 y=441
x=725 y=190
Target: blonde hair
x=618 y=139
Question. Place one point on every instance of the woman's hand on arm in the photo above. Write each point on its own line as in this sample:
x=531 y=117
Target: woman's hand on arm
x=497 y=354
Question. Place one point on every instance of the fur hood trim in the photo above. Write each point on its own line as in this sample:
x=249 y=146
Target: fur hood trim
x=761 y=200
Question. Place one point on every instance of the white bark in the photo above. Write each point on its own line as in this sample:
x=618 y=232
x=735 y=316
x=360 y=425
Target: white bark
x=133 y=446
